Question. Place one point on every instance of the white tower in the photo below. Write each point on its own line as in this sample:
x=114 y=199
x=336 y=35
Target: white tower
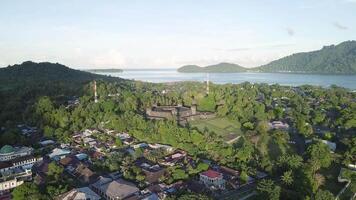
x=207 y=84
x=95 y=93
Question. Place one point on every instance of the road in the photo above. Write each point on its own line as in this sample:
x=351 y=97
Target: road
x=239 y=193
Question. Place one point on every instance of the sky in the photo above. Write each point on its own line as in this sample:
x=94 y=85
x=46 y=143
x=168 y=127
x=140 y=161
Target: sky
x=127 y=34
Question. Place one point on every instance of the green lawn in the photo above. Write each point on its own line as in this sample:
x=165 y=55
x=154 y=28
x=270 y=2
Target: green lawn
x=221 y=126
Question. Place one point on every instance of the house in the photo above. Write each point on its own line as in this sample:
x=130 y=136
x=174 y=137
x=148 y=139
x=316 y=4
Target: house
x=278 y=125
x=153 y=172
x=8 y=152
x=212 y=179
x=46 y=142
x=114 y=189
x=140 y=145
x=82 y=156
x=161 y=146
x=231 y=176
x=69 y=163
x=123 y=136
x=172 y=159
x=84 y=174
x=83 y=193
x=331 y=145
x=58 y=154
x=27 y=130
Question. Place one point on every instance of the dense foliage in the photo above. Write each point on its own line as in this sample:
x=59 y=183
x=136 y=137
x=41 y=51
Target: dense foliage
x=218 y=68
x=336 y=59
x=297 y=169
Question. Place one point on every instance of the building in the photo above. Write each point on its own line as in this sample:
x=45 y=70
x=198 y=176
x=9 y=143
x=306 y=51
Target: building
x=25 y=162
x=58 y=154
x=212 y=179
x=13 y=178
x=114 y=189
x=180 y=113
x=278 y=125
x=83 y=193
x=331 y=145
x=153 y=172
x=167 y=148
x=8 y=152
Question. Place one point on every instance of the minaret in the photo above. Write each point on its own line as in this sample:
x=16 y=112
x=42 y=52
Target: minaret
x=207 y=84
x=95 y=93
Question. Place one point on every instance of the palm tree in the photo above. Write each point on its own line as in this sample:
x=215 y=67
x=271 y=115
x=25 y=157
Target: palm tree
x=287 y=177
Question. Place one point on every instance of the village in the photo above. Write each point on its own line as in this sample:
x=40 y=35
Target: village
x=106 y=164
x=161 y=167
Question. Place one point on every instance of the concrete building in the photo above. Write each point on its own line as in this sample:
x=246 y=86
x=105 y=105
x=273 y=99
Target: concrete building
x=25 y=162
x=8 y=152
x=83 y=193
x=58 y=153
x=114 y=189
x=180 y=113
x=213 y=179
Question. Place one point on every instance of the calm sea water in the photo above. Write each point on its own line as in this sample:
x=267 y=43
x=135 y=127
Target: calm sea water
x=171 y=75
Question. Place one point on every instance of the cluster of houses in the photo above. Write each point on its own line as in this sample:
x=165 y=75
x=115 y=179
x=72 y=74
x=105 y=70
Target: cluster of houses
x=17 y=164
x=27 y=130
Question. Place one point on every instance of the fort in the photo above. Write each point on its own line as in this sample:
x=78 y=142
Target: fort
x=182 y=114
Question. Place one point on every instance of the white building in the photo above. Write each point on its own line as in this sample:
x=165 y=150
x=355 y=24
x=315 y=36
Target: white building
x=8 y=152
x=213 y=179
x=58 y=154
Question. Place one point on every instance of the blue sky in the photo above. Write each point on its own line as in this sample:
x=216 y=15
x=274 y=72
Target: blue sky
x=167 y=33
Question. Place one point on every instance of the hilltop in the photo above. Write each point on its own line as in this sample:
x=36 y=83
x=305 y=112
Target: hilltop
x=337 y=59
x=29 y=73
x=218 y=68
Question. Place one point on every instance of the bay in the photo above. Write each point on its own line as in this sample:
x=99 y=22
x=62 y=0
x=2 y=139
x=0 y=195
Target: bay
x=171 y=75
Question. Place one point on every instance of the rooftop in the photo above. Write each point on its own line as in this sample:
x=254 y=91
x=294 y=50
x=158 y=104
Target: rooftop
x=211 y=174
x=7 y=149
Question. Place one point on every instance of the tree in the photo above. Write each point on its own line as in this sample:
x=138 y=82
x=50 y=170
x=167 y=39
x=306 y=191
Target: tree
x=267 y=188
x=54 y=171
x=287 y=177
x=27 y=191
x=179 y=174
x=324 y=195
x=319 y=154
x=248 y=125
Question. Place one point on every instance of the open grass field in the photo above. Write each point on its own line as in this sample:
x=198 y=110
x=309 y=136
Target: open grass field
x=221 y=126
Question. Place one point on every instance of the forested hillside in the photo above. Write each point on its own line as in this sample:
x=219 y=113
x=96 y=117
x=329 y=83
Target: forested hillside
x=334 y=59
x=218 y=68
x=29 y=80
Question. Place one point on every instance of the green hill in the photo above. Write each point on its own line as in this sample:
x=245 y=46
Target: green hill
x=31 y=73
x=218 y=68
x=334 y=59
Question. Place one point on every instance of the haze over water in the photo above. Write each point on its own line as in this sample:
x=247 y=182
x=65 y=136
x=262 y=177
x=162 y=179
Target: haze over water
x=171 y=75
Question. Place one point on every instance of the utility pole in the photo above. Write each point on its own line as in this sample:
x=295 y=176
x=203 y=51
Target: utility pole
x=207 y=84
x=95 y=93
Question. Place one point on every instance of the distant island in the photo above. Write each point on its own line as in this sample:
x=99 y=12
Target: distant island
x=111 y=70
x=334 y=59
x=218 y=68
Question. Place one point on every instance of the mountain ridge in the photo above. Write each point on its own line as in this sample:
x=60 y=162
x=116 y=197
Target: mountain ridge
x=332 y=59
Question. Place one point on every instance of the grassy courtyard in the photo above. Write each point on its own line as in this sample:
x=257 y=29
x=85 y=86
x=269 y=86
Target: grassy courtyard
x=221 y=126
